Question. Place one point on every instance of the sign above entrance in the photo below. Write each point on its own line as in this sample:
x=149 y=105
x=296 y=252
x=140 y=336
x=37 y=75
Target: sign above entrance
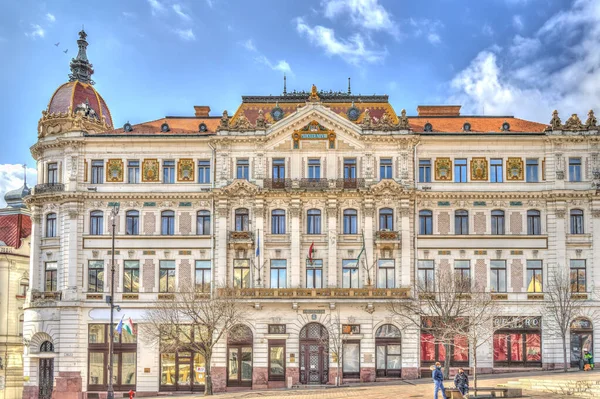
x=316 y=311
x=314 y=131
x=518 y=323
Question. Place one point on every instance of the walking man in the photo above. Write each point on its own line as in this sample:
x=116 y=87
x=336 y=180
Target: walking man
x=461 y=382
x=438 y=381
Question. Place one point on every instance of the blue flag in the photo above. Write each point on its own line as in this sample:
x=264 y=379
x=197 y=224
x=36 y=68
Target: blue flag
x=258 y=244
x=119 y=328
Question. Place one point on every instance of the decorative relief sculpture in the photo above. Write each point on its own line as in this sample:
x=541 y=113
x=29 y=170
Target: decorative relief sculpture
x=514 y=169
x=403 y=121
x=573 y=123
x=555 y=122
x=386 y=123
x=150 y=168
x=479 y=169
x=242 y=124
x=185 y=170
x=114 y=170
x=224 y=125
x=591 y=120
x=366 y=122
x=261 y=122
x=443 y=169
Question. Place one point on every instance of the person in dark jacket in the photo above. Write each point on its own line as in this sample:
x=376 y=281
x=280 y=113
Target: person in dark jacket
x=438 y=381
x=461 y=382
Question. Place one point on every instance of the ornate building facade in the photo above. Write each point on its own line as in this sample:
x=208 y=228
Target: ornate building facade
x=279 y=201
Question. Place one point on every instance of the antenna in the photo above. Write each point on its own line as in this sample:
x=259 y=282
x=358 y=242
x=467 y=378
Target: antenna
x=284 y=84
x=349 y=91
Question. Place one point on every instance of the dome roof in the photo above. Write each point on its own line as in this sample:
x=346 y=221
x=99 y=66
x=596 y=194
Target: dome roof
x=14 y=198
x=77 y=94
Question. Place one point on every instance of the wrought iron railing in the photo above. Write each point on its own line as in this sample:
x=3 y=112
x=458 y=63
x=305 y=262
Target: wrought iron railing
x=299 y=293
x=385 y=235
x=350 y=183
x=277 y=184
x=241 y=236
x=315 y=184
x=48 y=188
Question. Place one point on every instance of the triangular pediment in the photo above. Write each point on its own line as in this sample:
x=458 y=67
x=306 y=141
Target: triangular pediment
x=240 y=188
x=386 y=187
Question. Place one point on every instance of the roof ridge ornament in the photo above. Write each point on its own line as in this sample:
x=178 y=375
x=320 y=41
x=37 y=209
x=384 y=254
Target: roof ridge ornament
x=591 y=120
x=81 y=68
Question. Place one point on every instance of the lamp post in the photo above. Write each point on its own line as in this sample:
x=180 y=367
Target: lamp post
x=110 y=394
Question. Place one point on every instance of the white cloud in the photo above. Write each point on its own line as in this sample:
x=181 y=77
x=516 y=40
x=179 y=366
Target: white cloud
x=36 y=31
x=50 y=17
x=424 y=27
x=367 y=14
x=11 y=177
x=523 y=47
x=127 y=14
x=352 y=50
x=517 y=21
x=179 y=11
x=249 y=45
x=156 y=6
x=281 y=65
x=434 y=38
x=186 y=34
x=487 y=30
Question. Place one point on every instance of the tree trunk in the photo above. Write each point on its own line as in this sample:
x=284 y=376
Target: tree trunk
x=208 y=388
x=475 y=366
x=447 y=348
x=564 y=344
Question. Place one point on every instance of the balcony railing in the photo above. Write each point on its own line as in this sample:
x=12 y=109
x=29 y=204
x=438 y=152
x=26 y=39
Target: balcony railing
x=350 y=183
x=300 y=293
x=277 y=184
x=45 y=296
x=241 y=236
x=314 y=184
x=385 y=235
x=48 y=188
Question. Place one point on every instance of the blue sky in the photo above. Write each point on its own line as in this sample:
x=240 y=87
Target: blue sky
x=161 y=57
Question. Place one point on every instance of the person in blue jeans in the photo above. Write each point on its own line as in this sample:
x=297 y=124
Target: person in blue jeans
x=438 y=381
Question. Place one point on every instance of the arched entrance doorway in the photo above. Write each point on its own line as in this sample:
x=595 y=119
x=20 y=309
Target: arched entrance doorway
x=581 y=339
x=388 y=343
x=46 y=371
x=239 y=357
x=314 y=354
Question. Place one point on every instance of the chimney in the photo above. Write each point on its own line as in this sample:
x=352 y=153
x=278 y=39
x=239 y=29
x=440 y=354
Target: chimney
x=438 y=110
x=202 y=110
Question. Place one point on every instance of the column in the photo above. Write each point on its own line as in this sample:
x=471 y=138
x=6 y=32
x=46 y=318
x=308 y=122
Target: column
x=405 y=246
x=369 y=254
x=295 y=211
x=220 y=277
x=332 y=265
x=35 y=274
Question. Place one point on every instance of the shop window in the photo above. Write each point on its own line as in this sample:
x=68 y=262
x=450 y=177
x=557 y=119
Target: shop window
x=182 y=370
x=351 y=359
x=518 y=344
x=581 y=332
x=276 y=360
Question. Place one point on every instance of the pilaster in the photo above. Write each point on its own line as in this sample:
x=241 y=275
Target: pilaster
x=405 y=247
x=332 y=229
x=295 y=211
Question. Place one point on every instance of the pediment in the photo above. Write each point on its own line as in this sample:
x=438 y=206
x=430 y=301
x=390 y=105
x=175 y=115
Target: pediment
x=240 y=188
x=386 y=187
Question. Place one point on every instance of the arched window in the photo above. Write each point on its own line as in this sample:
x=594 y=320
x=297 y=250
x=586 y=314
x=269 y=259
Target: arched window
x=47 y=346
x=497 y=222
x=313 y=221
x=582 y=334
x=96 y=222
x=461 y=222
x=278 y=221
x=534 y=223
x=386 y=219
x=425 y=222
x=51 y=225
x=203 y=223
x=132 y=219
x=167 y=219
x=350 y=221
x=242 y=219
x=576 y=221
x=388 y=350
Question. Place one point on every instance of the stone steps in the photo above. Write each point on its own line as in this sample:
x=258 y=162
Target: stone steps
x=584 y=388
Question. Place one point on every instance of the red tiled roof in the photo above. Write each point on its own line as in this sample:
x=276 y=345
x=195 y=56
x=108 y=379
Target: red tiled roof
x=479 y=124
x=177 y=125
x=13 y=228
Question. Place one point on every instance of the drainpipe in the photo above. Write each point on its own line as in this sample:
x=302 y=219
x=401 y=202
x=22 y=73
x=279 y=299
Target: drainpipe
x=212 y=219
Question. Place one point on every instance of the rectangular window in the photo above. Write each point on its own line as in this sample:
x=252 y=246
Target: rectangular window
x=498 y=275
x=96 y=368
x=425 y=222
x=534 y=276
x=349 y=273
x=351 y=359
x=314 y=168
x=276 y=360
x=425 y=275
x=574 y=169
x=52 y=173
x=385 y=273
x=167 y=276
x=97 y=172
x=241 y=273
x=167 y=223
x=243 y=169
x=498 y=222
x=203 y=275
x=462 y=273
x=51 y=277
x=124 y=358
x=531 y=170
x=278 y=221
x=131 y=276
x=314 y=273
x=313 y=221
x=424 y=170
x=460 y=170
x=95 y=276
x=578 y=275
x=277 y=329
x=278 y=273
x=461 y=222
x=169 y=172
x=349 y=168
x=385 y=168
x=496 y=170
x=576 y=221
x=203 y=171
x=203 y=223
x=133 y=172
x=132 y=223
x=278 y=169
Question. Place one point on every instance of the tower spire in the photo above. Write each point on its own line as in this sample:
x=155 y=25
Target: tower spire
x=284 y=85
x=349 y=91
x=25 y=174
x=81 y=69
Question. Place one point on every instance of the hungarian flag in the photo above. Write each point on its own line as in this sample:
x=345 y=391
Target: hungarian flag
x=128 y=326
x=311 y=252
x=362 y=250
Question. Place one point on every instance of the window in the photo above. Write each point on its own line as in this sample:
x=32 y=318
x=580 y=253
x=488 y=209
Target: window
x=277 y=328
x=167 y=219
x=50 y=277
x=97 y=172
x=313 y=222
x=385 y=168
x=350 y=168
x=514 y=347
x=23 y=287
x=351 y=359
x=350 y=221
x=124 y=358
x=314 y=168
x=534 y=224
x=385 y=273
x=96 y=223
x=203 y=275
x=132 y=222
x=424 y=170
x=462 y=274
x=576 y=221
x=52 y=173
x=133 y=172
x=531 y=170
x=203 y=223
x=425 y=275
x=131 y=276
x=425 y=222
x=496 y=170
x=242 y=219
x=386 y=219
x=278 y=221
x=460 y=170
x=51 y=225
x=241 y=273
x=20 y=327
x=461 y=222
x=243 y=169
x=498 y=222
x=278 y=169
x=349 y=273
x=498 y=273
x=278 y=273
x=203 y=171
x=578 y=275
x=166 y=282
x=314 y=273
x=276 y=360
x=574 y=169
x=534 y=276
x=95 y=276
x=169 y=172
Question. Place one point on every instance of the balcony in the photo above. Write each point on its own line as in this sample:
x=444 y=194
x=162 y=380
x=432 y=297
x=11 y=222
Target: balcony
x=313 y=184
x=241 y=237
x=308 y=293
x=350 y=183
x=277 y=184
x=45 y=296
x=387 y=236
x=48 y=188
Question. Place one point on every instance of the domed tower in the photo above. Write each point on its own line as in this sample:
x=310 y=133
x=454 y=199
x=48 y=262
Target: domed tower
x=76 y=105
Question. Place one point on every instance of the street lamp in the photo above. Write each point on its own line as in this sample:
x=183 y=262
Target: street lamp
x=110 y=394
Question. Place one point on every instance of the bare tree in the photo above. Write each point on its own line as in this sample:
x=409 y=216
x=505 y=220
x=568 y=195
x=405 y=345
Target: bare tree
x=369 y=270
x=191 y=321
x=334 y=341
